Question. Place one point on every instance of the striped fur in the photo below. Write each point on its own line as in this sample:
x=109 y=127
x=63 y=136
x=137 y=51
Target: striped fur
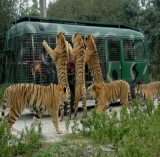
x=92 y=58
x=60 y=56
x=107 y=93
x=149 y=91
x=37 y=99
x=78 y=56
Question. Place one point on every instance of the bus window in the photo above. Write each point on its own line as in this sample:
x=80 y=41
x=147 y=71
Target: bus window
x=139 y=50
x=128 y=48
x=133 y=50
x=114 y=50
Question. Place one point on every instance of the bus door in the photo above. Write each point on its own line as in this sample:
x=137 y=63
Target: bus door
x=113 y=48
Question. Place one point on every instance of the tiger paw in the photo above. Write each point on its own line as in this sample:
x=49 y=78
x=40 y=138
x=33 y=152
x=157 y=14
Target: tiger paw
x=44 y=43
x=59 y=131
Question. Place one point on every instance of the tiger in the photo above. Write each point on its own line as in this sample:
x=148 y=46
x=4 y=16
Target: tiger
x=36 y=98
x=92 y=58
x=108 y=93
x=149 y=91
x=78 y=55
x=60 y=56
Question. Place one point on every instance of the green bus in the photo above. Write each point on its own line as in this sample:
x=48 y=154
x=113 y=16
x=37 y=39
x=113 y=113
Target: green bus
x=122 y=50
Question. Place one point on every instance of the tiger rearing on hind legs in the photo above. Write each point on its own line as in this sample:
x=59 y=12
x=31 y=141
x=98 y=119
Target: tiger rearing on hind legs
x=78 y=55
x=60 y=56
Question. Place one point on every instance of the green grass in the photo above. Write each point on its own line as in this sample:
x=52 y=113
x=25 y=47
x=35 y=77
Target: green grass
x=25 y=145
x=130 y=135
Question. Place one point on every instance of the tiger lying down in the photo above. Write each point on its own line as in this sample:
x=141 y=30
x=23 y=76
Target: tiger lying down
x=37 y=99
x=107 y=93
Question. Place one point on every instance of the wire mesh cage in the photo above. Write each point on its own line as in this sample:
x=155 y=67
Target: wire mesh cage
x=28 y=62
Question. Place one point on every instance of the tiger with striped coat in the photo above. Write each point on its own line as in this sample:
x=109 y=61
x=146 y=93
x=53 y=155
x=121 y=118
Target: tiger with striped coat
x=60 y=56
x=37 y=99
x=107 y=93
x=78 y=55
x=92 y=60
x=149 y=91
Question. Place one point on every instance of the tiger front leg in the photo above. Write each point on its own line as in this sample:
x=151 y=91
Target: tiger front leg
x=102 y=103
x=54 y=115
x=49 y=50
x=61 y=107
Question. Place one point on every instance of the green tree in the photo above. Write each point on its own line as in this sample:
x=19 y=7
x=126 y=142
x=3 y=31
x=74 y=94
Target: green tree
x=34 y=11
x=150 y=26
x=132 y=13
x=25 y=8
x=90 y=10
x=7 y=12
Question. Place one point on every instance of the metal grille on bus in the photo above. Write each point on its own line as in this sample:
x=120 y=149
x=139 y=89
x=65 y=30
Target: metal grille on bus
x=114 y=50
x=100 y=43
x=26 y=55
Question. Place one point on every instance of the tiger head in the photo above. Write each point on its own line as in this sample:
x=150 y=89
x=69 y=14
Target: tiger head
x=77 y=39
x=89 y=42
x=60 y=40
x=62 y=92
x=140 y=91
x=95 y=89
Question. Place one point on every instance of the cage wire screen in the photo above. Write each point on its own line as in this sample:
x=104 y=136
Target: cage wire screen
x=28 y=61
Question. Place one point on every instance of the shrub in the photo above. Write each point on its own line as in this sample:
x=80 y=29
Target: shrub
x=26 y=144
x=132 y=134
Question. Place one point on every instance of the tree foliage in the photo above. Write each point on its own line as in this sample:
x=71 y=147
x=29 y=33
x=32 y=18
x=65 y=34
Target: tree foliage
x=90 y=10
x=9 y=10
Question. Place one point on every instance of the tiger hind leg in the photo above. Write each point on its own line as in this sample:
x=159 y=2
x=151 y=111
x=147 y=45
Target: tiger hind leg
x=83 y=93
x=35 y=121
x=12 y=116
x=76 y=100
x=4 y=106
x=68 y=107
x=69 y=104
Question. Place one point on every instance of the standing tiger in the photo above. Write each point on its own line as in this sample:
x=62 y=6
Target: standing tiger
x=149 y=91
x=78 y=55
x=37 y=99
x=60 y=56
x=92 y=58
x=108 y=93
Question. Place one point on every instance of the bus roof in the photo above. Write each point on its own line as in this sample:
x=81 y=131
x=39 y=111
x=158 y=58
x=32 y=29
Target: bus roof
x=52 y=26
x=71 y=22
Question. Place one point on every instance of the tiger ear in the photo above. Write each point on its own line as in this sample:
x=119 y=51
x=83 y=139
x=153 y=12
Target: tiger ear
x=57 y=35
x=63 y=33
